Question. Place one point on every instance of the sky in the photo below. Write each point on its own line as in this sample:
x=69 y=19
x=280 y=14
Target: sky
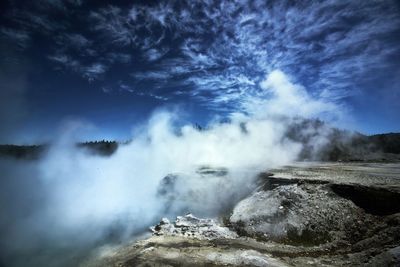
x=111 y=64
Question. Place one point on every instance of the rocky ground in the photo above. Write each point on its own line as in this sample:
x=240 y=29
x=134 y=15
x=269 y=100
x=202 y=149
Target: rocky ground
x=314 y=214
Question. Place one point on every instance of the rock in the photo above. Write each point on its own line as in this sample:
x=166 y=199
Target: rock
x=390 y=257
x=295 y=214
x=164 y=221
x=244 y=258
x=395 y=252
x=192 y=226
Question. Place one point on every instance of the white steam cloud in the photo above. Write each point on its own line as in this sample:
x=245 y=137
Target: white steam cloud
x=292 y=100
x=86 y=197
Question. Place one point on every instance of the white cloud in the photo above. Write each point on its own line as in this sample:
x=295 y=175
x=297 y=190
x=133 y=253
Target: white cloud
x=159 y=14
x=66 y=61
x=112 y=22
x=284 y=98
x=150 y=75
x=154 y=54
x=94 y=71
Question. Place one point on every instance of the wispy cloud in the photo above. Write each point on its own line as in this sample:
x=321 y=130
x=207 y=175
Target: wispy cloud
x=154 y=54
x=220 y=51
x=91 y=72
x=111 y=22
x=74 y=40
x=94 y=71
x=66 y=61
x=19 y=37
x=151 y=75
x=113 y=57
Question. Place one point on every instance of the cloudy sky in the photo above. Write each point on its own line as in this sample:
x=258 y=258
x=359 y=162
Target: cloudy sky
x=112 y=63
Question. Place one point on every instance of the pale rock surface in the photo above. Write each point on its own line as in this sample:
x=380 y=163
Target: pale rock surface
x=191 y=226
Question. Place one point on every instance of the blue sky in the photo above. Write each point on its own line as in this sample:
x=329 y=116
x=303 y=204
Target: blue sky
x=112 y=63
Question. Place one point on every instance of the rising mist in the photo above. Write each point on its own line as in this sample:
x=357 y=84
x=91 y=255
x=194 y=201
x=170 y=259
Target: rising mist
x=57 y=208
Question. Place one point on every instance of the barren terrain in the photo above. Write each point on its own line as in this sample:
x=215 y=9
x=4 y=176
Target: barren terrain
x=308 y=214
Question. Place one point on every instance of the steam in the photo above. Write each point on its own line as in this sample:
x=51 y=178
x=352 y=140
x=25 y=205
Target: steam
x=78 y=197
x=284 y=98
x=95 y=190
